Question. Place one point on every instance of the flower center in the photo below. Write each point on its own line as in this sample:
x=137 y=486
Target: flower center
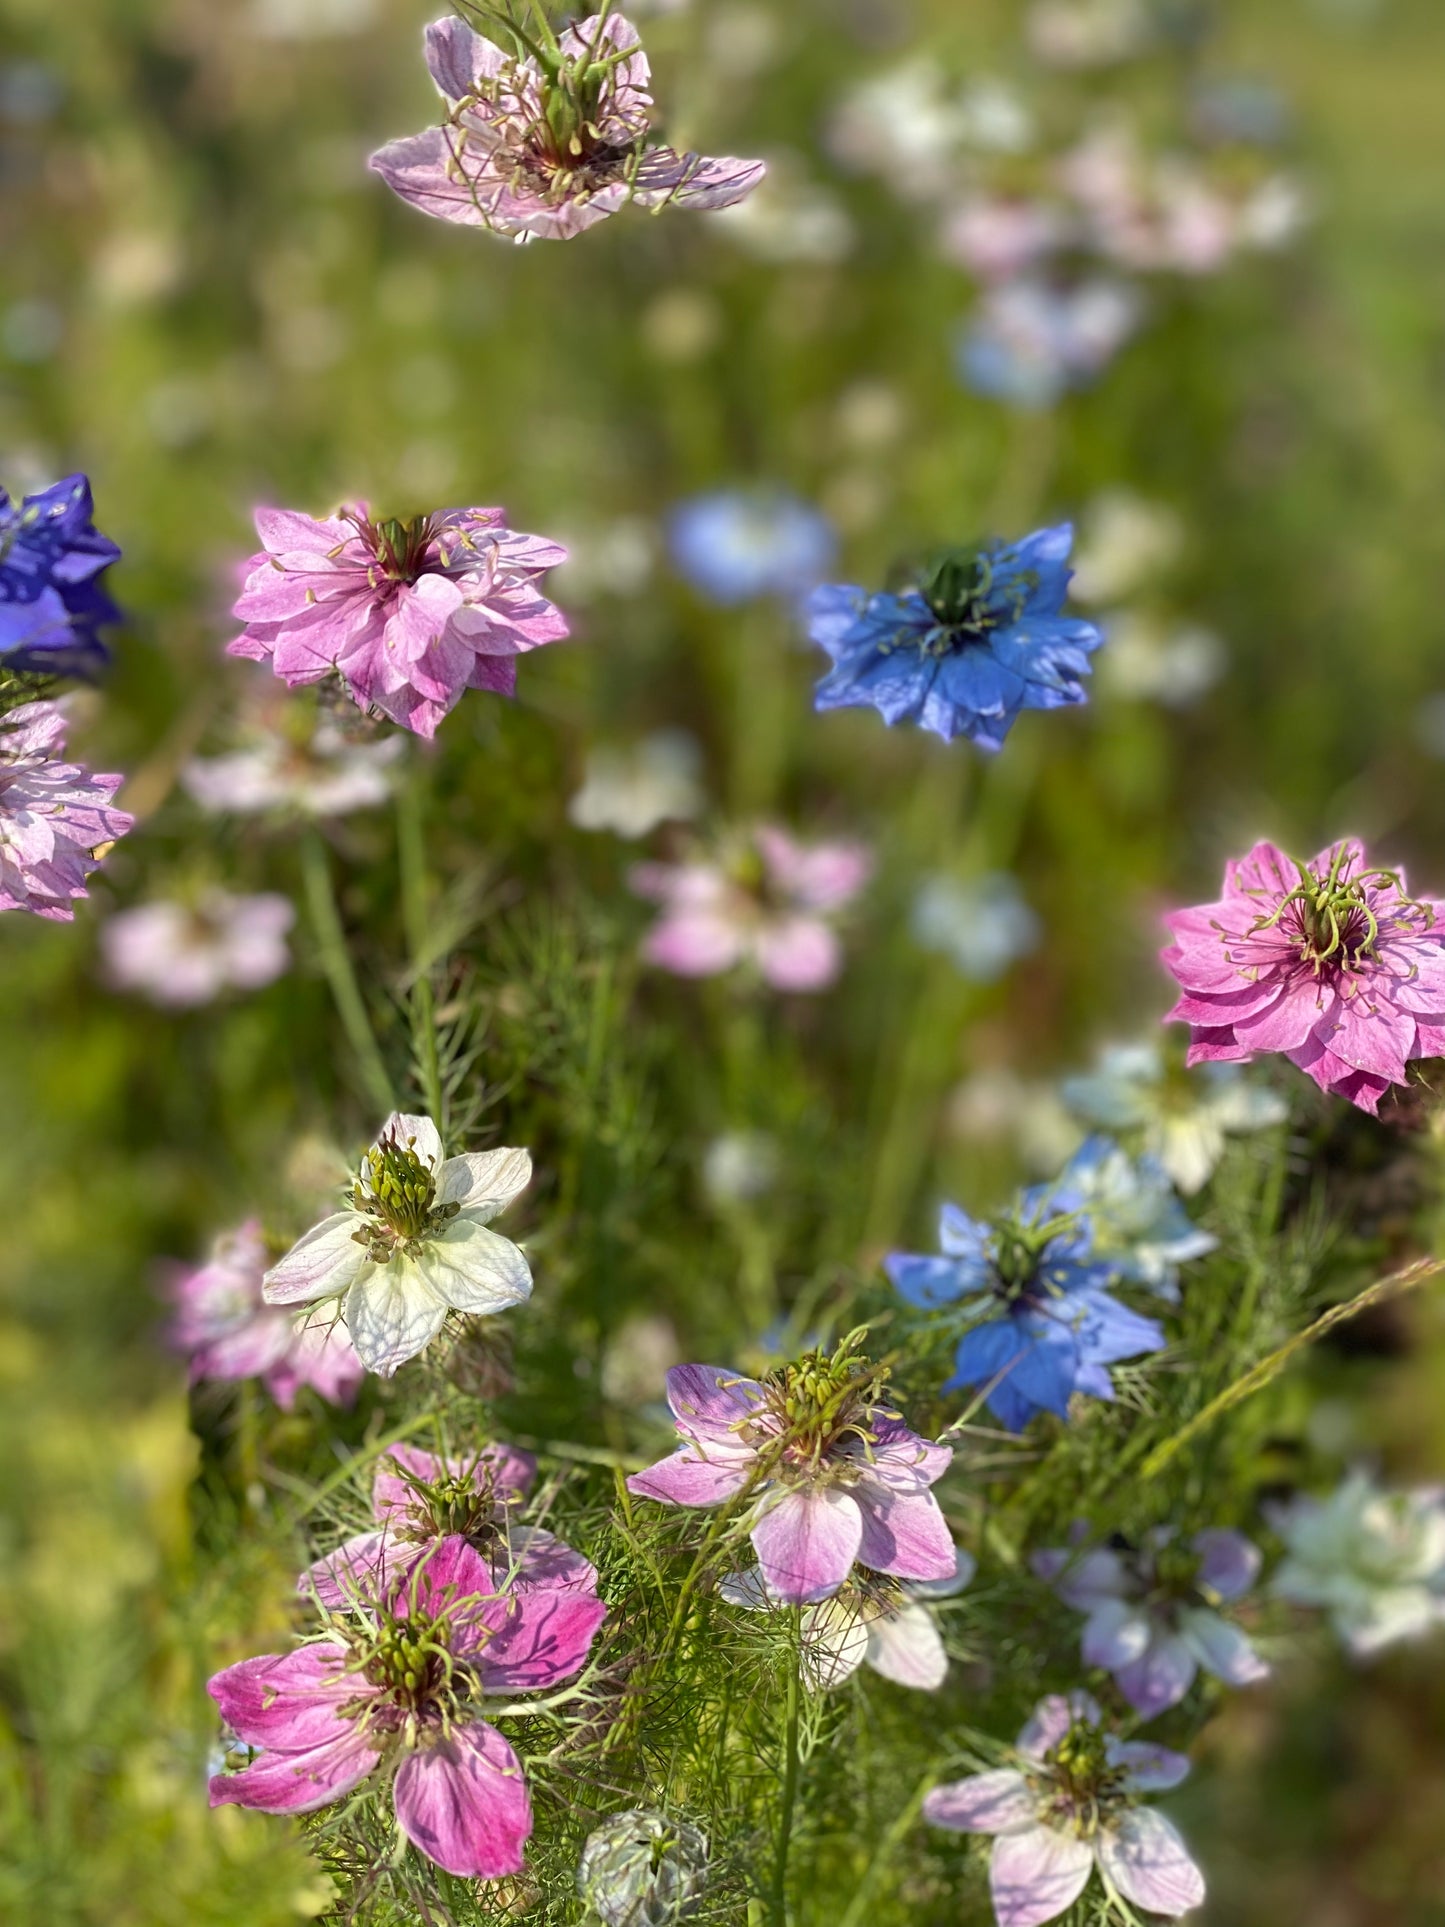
x=401 y=551
x=818 y=1404
x=1332 y=917
x=452 y=1505
x=1080 y=1784
x=397 y=1191
x=963 y=590
x=1018 y=1254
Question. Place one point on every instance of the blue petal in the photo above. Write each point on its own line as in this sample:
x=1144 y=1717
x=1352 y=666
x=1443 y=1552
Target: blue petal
x=929 y=1282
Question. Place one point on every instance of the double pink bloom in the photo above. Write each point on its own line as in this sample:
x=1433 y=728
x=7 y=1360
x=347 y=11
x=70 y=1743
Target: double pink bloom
x=54 y=815
x=1330 y=963
x=409 y=615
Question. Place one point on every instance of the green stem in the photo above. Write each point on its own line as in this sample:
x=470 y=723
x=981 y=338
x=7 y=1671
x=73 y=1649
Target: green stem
x=411 y=861
x=778 y=1905
x=336 y=962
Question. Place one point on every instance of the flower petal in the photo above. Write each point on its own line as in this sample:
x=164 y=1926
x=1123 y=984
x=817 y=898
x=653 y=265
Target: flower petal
x=484 y=1181
x=1035 y=1876
x=1221 y=1648
x=391 y=1314
x=997 y=1802
x=463 y=1802
x=835 y=1642
x=904 y=1533
x=323 y=1264
x=1147 y=1861
x=544 y=1639
x=684 y=1478
x=287 y=1700
x=474 y=1270
x=905 y=1646
x=1160 y=1677
x=708 y=1401
x=806 y=1542
x=298 y=1782
x=1228 y=1562
x=1115 y=1634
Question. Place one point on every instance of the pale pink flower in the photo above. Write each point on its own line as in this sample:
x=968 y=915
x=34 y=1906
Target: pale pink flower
x=226 y=1331
x=833 y=1475
x=180 y=955
x=323 y=773
x=1072 y=1805
x=1330 y=962
x=766 y=901
x=548 y=145
x=400 y=1693
x=407 y=614
x=55 y=817
x=418 y=1498
x=999 y=236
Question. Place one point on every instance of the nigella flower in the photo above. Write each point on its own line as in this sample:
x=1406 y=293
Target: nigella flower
x=310 y=770
x=738 y=545
x=983 y=923
x=831 y=1474
x=407 y=614
x=551 y=139
x=56 y=818
x=180 y=955
x=1030 y=340
x=981 y=637
x=642 y=1869
x=413 y=1246
x=399 y=1693
x=225 y=1329
x=1331 y=962
x=52 y=605
x=631 y=791
x=1153 y=1611
x=766 y=901
x=1041 y=1325
x=418 y=1499
x=1182 y=1117
x=1072 y=1804
x=1374 y=1560
x=872 y=1620
x=1138 y=1225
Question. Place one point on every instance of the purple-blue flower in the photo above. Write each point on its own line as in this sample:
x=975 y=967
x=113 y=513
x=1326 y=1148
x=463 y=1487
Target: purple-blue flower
x=1041 y=1323
x=51 y=602
x=739 y=545
x=980 y=637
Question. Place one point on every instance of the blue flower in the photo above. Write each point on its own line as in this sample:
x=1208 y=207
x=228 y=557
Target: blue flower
x=1043 y=1325
x=1139 y=1226
x=982 y=923
x=738 y=545
x=51 y=601
x=1029 y=343
x=981 y=638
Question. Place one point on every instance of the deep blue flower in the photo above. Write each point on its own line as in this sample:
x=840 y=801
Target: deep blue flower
x=738 y=545
x=981 y=638
x=51 y=602
x=1043 y=1326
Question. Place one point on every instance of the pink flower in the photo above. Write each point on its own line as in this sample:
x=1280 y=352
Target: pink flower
x=399 y=1693
x=766 y=901
x=1330 y=962
x=407 y=614
x=999 y=236
x=227 y=1331
x=1070 y=1806
x=180 y=955
x=418 y=1499
x=55 y=817
x=551 y=144
x=831 y=1474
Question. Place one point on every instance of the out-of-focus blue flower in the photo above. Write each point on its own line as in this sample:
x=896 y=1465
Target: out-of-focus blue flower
x=51 y=602
x=981 y=923
x=1140 y=1229
x=1028 y=342
x=1042 y=1325
x=738 y=545
x=979 y=639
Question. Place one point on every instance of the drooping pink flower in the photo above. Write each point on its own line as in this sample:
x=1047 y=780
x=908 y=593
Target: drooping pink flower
x=418 y=1498
x=1330 y=962
x=1073 y=1804
x=226 y=1330
x=832 y=1474
x=549 y=144
x=407 y=614
x=54 y=816
x=400 y=1692
x=765 y=900
x=183 y=954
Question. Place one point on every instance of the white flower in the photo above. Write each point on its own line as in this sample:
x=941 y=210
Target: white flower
x=1152 y=661
x=414 y=1245
x=631 y=791
x=740 y=1166
x=1125 y=542
x=981 y=923
x=329 y=776
x=1139 y=1226
x=1183 y=1117
x=788 y=218
x=871 y=1620
x=1374 y=1560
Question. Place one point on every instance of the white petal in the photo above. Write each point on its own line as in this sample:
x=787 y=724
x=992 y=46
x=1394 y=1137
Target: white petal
x=905 y=1647
x=746 y=1589
x=1036 y=1876
x=419 y=1133
x=323 y=1264
x=1149 y=1864
x=392 y=1314
x=1221 y=1648
x=473 y=1269
x=484 y=1182
x=835 y=1643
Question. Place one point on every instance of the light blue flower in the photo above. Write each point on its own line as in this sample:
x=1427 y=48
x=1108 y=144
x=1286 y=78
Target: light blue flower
x=1140 y=1228
x=983 y=924
x=1029 y=343
x=739 y=545
x=1182 y=1117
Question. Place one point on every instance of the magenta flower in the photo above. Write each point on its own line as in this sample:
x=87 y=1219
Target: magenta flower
x=831 y=1474
x=1330 y=962
x=400 y=1693
x=180 y=955
x=549 y=144
x=407 y=614
x=418 y=1499
x=1069 y=1806
x=55 y=817
x=766 y=901
x=226 y=1330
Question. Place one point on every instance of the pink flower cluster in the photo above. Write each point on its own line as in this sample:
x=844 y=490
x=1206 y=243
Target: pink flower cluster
x=226 y=1330
x=548 y=145
x=181 y=955
x=55 y=817
x=407 y=614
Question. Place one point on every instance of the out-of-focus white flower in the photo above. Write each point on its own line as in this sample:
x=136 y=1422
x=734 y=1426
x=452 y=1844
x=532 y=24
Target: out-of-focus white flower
x=994 y=118
x=997 y=1104
x=1374 y=1560
x=615 y=558
x=1139 y=1226
x=1125 y=541
x=742 y=40
x=329 y=775
x=1088 y=33
x=740 y=1166
x=630 y=791
x=183 y=954
x=788 y=217
x=905 y=124
x=1148 y=661
x=1275 y=213
x=983 y=924
x=308 y=19
x=1029 y=342
x=1182 y=1116
x=639 y=1355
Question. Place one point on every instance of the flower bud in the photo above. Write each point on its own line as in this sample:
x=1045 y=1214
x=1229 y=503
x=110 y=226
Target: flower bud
x=641 y=1869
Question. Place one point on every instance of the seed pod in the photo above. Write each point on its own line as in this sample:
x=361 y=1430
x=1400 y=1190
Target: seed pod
x=641 y=1869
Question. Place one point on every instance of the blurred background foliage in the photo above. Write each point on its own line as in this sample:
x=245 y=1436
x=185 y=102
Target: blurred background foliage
x=207 y=301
